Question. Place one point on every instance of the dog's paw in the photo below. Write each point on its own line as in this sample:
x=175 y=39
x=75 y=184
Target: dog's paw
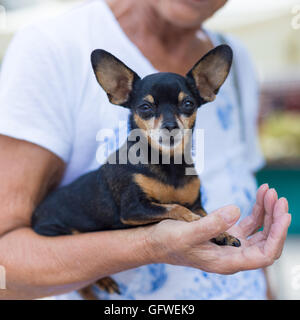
x=109 y=285
x=225 y=239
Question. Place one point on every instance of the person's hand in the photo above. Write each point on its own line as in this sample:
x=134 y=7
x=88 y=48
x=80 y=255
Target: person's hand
x=187 y=243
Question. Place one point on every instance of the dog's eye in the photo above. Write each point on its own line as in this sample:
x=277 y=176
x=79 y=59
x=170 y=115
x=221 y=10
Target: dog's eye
x=188 y=105
x=145 y=107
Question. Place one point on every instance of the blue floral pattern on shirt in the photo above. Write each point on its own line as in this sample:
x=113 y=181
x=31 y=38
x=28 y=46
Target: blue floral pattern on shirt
x=224 y=113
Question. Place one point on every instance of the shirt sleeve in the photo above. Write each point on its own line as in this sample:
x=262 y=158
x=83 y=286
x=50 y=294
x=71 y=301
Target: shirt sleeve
x=33 y=102
x=249 y=91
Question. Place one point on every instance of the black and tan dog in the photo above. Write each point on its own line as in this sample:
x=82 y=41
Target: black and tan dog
x=139 y=192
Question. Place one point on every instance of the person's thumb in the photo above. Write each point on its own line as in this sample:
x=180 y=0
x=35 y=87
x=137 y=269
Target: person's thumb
x=212 y=225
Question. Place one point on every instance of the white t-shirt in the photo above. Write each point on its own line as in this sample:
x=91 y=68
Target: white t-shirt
x=49 y=96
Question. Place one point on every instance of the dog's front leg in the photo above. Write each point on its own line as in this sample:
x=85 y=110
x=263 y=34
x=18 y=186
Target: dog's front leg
x=155 y=212
x=222 y=239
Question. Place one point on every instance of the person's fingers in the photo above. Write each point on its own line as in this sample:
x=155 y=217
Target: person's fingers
x=269 y=203
x=211 y=226
x=286 y=204
x=280 y=208
x=260 y=195
x=252 y=223
x=281 y=244
x=277 y=235
x=256 y=238
x=263 y=253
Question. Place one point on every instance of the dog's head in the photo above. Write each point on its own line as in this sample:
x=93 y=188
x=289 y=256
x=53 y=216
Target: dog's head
x=163 y=105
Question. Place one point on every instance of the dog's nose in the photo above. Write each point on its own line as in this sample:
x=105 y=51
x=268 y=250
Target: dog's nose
x=170 y=125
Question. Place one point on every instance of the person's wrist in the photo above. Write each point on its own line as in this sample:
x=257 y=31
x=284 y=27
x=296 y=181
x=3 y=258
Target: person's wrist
x=147 y=246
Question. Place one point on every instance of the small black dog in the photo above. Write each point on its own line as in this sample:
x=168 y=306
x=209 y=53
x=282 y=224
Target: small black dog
x=121 y=195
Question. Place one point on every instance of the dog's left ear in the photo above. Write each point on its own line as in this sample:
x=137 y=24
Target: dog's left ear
x=210 y=72
x=114 y=76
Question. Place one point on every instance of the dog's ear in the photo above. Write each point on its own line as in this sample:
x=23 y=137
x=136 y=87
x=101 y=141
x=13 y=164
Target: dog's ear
x=210 y=72
x=114 y=76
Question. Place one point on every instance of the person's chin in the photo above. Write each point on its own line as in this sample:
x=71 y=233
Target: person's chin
x=200 y=5
x=195 y=3
x=183 y=13
x=191 y=13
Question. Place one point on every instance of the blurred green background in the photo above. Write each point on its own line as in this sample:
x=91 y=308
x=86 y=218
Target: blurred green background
x=286 y=182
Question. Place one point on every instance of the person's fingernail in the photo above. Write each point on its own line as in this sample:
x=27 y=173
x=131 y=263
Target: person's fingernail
x=276 y=193
x=231 y=214
x=285 y=203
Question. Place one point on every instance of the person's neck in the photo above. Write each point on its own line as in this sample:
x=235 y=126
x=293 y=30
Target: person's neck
x=140 y=21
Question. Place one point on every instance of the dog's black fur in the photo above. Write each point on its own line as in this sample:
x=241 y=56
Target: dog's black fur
x=119 y=195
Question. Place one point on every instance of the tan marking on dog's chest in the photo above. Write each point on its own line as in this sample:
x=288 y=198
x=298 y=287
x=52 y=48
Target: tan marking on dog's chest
x=164 y=193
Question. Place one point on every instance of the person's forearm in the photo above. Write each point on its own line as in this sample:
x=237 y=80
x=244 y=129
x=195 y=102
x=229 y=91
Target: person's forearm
x=39 y=266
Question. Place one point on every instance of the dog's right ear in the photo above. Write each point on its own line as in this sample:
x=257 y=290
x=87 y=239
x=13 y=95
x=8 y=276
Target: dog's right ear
x=114 y=76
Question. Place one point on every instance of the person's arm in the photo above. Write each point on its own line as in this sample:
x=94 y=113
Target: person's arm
x=38 y=266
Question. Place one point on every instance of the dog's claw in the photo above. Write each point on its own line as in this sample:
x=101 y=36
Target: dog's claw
x=109 y=285
x=226 y=239
x=236 y=243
